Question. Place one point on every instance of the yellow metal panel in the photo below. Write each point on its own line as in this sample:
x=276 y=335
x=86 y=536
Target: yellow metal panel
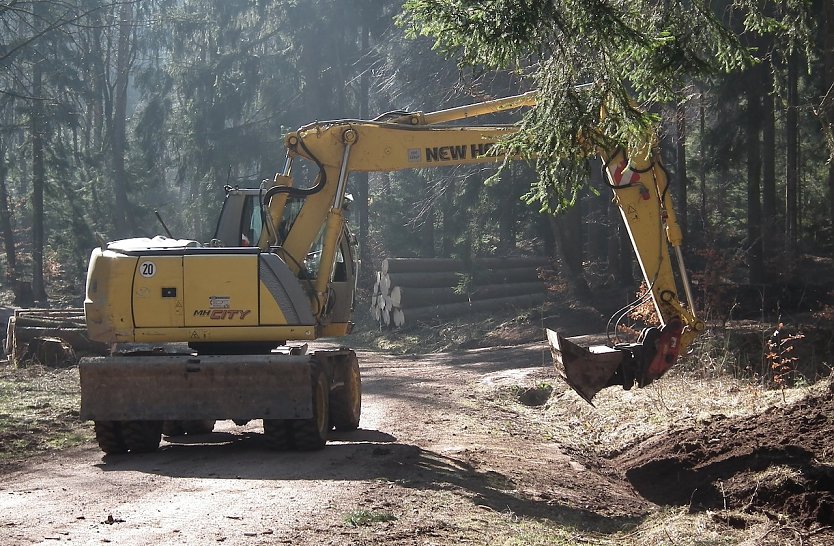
x=270 y=311
x=107 y=307
x=222 y=290
x=223 y=333
x=336 y=329
x=157 y=292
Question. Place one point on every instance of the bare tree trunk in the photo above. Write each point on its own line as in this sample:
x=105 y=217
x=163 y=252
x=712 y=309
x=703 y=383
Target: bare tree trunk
x=507 y=212
x=361 y=179
x=38 y=169
x=828 y=103
x=447 y=223
x=768 y=161
x=702 y=158
x=567 y=230
x=6 y=228
x=754 y=172
x=792 y=157
x=614 y=222
x=599 y=232
x=119 y=121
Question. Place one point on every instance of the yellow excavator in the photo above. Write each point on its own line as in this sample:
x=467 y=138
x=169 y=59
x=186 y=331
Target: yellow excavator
x=205 y=331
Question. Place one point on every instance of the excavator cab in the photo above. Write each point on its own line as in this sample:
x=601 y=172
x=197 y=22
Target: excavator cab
x=241 y=218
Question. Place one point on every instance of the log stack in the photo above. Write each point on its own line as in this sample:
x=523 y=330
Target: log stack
x=53 y=337
x=411 y=290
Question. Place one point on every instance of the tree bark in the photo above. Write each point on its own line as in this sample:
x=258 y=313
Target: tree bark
x=567 y=231
x=768 y=161
x=828 y=101
x=6 y=228
x=436 y=265
x=126 y=225
x=411 y=316
x=702 y=156
x=361 y=179
x=38 y=129
x=598 y=228
x=792 y=157
x=755 y=262
x=421 y=297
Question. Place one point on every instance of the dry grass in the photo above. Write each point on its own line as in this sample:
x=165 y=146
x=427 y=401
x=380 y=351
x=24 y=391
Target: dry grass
x=39 y=411
x=622 y=418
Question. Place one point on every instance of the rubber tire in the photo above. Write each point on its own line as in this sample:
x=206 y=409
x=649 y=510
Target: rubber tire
x=141 y=436
x=311 y=434
x=346 y=399
x=109 y=437
x=277 y=434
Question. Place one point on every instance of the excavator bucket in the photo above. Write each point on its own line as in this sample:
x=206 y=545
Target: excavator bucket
x=590 y=370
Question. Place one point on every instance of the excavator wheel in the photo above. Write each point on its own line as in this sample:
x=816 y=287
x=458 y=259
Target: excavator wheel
x=141 y=436
x=109 y=437
x=277 y=434
x=311 y=434
x=346 y=399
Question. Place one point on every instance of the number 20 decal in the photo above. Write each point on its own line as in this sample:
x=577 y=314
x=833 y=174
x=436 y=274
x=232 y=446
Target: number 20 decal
x=147 y=269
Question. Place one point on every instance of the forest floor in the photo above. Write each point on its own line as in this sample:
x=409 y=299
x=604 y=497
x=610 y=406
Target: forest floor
x=470 y=446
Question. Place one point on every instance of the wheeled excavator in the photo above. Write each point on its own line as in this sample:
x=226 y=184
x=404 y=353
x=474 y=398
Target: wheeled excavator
x=218 y=330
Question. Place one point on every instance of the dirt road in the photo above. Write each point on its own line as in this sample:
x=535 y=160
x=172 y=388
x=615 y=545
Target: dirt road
x=432 y=457
x=452 y=449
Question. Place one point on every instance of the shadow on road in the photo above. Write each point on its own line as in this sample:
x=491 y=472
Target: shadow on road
x=364 y=455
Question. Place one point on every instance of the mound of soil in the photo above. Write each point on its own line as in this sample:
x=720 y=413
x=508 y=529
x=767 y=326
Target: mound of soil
x=778 y=462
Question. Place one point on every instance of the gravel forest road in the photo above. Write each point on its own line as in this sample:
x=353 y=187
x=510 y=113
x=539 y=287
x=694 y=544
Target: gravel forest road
x=440 y=458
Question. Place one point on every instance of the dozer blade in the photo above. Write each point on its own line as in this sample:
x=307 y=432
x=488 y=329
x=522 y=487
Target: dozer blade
x=587 y=371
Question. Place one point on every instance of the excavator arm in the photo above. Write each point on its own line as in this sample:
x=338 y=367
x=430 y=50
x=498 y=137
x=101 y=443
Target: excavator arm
x=641 y=192
x=400 y=141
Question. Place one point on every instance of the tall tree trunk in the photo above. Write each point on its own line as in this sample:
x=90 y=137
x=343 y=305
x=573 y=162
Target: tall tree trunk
x=828 y=101
x=127 y=225
x=447 y=237
x=768 y=161
x=507 y=201
x=37 y=128
x=6 y=227
x=426 y=230
x=680 y=167
x=614 y=223
x=361 y=179
x=567 y=230
x=599 y=232
x=792 y=157
x=702 y=159
x=754 y=172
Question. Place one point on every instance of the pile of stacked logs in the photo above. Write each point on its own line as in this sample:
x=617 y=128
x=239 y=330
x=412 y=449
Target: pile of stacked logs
x=52 y=337
x=411 y=290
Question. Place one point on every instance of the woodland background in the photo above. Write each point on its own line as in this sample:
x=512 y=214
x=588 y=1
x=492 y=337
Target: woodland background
x=111 y=110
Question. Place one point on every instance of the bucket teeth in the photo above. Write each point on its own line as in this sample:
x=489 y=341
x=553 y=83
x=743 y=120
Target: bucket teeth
x=587 y=371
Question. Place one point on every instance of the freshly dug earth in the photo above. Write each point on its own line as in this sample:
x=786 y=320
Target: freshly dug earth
x=778 y=462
